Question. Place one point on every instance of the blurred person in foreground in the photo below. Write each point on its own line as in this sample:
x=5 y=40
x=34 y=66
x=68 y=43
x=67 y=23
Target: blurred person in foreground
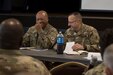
x=42 y=35
x=108 y=60
x=106 y=39
x=85 y=37
x=12 y=61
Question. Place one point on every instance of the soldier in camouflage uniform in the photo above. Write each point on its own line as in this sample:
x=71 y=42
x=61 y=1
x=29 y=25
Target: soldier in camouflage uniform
x=42 y=34
x=12 y=61
x=85 y=37
x=105 y=40
x=99 y=70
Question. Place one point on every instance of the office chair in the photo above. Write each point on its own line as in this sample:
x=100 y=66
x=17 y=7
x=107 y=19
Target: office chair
x=69 y=68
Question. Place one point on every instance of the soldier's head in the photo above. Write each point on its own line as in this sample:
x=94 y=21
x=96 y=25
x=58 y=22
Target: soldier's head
x=11 y=32
x=108 y=60
x=42 y=18
x=75 y=20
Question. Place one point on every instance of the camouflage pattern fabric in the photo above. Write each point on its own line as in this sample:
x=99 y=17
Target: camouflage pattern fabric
x=43 y=39
x=87 y=36
x=12 y=62
x=99 y=70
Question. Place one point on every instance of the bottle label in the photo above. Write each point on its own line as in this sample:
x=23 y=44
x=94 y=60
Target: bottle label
x=60 y=40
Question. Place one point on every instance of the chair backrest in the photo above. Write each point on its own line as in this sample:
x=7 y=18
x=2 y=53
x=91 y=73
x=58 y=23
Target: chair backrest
x=69 y=68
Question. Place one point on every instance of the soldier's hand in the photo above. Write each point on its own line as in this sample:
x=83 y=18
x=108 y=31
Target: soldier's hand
x=77 y=47
x=38 y=27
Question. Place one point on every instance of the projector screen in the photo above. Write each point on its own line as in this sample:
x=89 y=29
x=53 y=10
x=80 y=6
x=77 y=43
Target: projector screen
x=100 y=5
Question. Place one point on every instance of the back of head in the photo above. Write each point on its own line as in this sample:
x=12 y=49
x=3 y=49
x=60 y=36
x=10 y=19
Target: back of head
x=108 y=57
x=11 y=32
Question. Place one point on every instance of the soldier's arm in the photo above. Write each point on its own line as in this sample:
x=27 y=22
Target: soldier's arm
x=47 y=40
x=29 y=64
x=26 y=38
x=94 y=41
x=42 y=69
x=67 y=36
x=90 y=72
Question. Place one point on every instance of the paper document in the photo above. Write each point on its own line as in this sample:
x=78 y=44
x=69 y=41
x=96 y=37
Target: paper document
x=94 y=54
x=26 y=48
x=69 y=50
x=32 y=49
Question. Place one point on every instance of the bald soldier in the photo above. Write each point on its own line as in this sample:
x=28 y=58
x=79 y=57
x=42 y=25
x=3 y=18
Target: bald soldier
x=85 y=37
x=42 y=34
x=12 y=61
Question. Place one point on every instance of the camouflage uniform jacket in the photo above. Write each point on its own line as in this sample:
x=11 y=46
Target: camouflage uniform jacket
x=87 y=36
x=43 y=39
x=12 y=62
x=99 y=70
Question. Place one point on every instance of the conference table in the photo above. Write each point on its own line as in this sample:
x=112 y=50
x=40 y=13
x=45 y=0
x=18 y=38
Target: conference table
x=52 y=56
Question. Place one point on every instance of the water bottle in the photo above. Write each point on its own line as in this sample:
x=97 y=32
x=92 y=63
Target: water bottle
x=60 y=43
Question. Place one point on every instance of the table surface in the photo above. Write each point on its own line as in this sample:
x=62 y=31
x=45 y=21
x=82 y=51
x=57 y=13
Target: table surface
x=51 y=55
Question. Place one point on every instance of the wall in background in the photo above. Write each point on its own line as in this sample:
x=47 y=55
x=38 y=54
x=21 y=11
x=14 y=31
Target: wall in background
x=60 y=22
x=25 y=10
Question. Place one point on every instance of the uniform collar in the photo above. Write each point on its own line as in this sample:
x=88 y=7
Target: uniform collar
x=81 y=30
x=47 y=27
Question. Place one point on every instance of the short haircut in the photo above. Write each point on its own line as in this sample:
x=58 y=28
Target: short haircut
x=42 y=12
x=77 y=14
x=108 y=57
